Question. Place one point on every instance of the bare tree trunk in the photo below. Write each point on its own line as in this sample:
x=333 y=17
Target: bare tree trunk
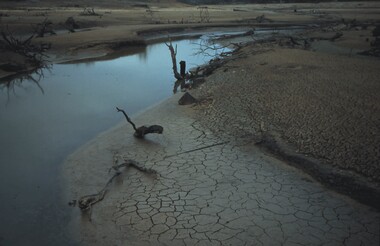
x=183 y=69
x=173 y=53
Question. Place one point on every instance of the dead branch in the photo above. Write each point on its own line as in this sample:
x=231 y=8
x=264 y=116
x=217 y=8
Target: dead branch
x=89 y=12
x=70 y=24
x=127 y=118
x=134 y=164
x=85 y=203
x=173 y=53
x=10 y=83
x=35 y=53
x=210 y=47
x=142 y=130
x=44 y=27
x=204 y=15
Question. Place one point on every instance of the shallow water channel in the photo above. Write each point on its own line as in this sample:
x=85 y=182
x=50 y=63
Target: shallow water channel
x=42 y=124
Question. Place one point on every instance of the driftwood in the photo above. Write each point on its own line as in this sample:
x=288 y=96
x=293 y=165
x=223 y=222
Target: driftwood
x=85 y=203
x=142 y=130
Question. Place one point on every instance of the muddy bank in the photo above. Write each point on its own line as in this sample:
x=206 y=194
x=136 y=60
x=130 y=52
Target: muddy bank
x=317 y=110
x=208 y=190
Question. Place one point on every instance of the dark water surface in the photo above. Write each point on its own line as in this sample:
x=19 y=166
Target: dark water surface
x=40 y=127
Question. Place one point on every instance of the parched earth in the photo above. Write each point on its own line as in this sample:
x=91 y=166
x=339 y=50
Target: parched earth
x=208 y=190
x=326 y=106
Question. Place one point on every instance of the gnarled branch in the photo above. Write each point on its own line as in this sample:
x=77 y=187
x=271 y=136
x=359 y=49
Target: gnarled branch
x=173 y=53
x=142 y=130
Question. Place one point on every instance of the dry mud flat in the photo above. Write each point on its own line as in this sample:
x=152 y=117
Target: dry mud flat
x=214 y=186
x=208 y=190
x=321 y=105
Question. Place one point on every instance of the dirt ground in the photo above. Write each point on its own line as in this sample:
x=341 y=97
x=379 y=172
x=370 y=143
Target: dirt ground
x=322 y=105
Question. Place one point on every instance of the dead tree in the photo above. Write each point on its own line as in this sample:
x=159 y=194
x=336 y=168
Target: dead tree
x=204 y=14
x=173 y=53
x=35 y=53
x=142 y=130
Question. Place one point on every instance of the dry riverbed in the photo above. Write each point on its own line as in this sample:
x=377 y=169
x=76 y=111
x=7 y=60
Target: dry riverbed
x=314 y=108
x=213 y=183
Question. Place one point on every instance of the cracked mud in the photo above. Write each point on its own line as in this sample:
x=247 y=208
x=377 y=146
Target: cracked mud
x=207 y=191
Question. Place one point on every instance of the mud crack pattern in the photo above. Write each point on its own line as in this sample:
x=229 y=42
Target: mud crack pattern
x=227 y=194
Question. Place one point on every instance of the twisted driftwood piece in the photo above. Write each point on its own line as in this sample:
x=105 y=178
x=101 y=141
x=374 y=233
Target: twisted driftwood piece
x=85 y=203
x=142 y=130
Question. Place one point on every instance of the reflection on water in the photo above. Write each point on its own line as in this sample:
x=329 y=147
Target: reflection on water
x=46 y=115
x=11 y=83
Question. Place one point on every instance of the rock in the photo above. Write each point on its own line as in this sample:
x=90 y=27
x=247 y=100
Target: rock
x=186 y=99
